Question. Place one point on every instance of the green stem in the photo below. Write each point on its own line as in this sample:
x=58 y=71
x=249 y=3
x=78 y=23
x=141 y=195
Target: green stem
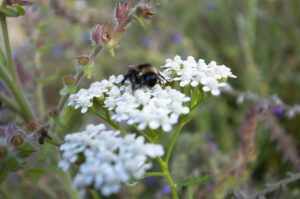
x=110 y=122
x=143 y=133
x=181 y=124
x=95 y=194
x=153 y=174
x=7 y=47
x=39 y=92
x=18 y=96
x=78 y=76
x=14 y=84
x=165 y=169
x=10 y=104
x=73 y=194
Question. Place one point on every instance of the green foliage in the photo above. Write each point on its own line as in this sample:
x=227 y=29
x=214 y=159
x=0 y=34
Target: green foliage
x=3 y=61
x=259 y=40
x=193 y=181
x=33 y=175
x=26 y=150
x=19 y=8
x=10 y=12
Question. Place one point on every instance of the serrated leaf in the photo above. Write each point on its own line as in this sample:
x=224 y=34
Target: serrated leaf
x=19 y=8
x=26 y=150
x=192 y=181
x=9 y=12
x=33 y=175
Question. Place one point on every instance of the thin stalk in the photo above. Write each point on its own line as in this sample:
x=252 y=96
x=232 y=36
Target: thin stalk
x=143 y=133
x=110 y=122
x=164 y=167
x=7 y=47
x=78 y=76
x=73 y=194
x=10 y=104
x=14 y=91
x=181 y=124
x=40 y=97
x=95 y=194
x=15 y=88
x=153 y=174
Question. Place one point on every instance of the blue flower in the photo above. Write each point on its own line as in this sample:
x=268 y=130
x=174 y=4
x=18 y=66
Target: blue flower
x=57 y=50
x=150 y=181
x=145 y=41
x=166 y=189
x=177 y=38
x=210 y=5
x=278 y=111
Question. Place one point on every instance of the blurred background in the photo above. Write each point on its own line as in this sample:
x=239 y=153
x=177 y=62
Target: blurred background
x=242 y=144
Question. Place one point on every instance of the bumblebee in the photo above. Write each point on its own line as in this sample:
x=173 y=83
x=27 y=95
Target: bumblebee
x=142 y=75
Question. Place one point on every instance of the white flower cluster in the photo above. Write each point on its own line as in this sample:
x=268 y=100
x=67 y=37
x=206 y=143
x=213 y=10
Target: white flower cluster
x=106 y=159
x=155 y=107
x=189 y=72
x=84 y=97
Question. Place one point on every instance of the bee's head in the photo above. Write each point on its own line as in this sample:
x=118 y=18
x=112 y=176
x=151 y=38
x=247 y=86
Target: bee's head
x=150 y=79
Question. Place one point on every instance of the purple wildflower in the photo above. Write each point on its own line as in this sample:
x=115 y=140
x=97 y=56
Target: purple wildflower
x=166 y=189
x=277 y=111
x=150 y=181
x=145 y=41
x=57 y=50
x=210 y=5
x=177 y=38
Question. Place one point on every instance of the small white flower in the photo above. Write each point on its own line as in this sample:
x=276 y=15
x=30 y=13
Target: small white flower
x=108 y=159
x=144 y=107
x=189 y=72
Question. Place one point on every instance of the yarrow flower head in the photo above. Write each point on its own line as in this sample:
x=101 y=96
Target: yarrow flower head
x=83 y=98
x=211 y=77
x=106 y=159
x=153 y=107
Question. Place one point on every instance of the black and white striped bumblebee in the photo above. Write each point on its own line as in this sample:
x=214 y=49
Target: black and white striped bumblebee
x=143 y=75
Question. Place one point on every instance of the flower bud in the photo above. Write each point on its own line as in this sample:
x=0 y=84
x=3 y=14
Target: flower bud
x=121 y=13
x=53 y=112
x=17 y=140
x=110 y=37
x=96 y=34
x=144 y=11
x=13 y=135
x=83 y=60
x=32 y=126
x=68 y=80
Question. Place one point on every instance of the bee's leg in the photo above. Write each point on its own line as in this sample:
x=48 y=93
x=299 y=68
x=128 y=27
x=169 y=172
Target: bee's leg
x=125 y=78
x=133 y=81
x=161 y=77
x=133 y=87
